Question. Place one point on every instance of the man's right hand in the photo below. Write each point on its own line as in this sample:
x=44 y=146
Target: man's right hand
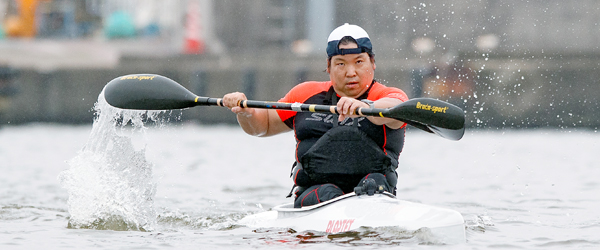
x=232 y=101
x=254 y=121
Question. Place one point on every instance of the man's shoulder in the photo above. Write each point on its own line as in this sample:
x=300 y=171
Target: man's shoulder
x=314 y=86
x=379 y=91
x=305 y=90
x=301 y=93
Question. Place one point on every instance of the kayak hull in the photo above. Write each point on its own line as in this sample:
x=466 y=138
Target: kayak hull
x=350 y=212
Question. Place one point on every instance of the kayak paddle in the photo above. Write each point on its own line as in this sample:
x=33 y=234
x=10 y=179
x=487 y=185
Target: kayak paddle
x=155 y=92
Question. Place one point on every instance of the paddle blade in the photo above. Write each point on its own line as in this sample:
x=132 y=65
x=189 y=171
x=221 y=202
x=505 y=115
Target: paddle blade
x=147 y=92
x=435 y=116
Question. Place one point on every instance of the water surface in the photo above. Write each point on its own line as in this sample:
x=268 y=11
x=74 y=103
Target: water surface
x=516 y=189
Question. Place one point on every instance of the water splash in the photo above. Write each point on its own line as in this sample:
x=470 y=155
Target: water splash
x=479 y=223
x=110 y=183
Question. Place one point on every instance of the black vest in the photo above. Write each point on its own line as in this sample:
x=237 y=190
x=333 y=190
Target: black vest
x=343 y=153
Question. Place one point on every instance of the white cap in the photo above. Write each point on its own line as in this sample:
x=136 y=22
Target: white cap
x=356 y=32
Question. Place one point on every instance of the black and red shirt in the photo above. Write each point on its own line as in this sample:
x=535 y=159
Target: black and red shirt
x=309 y=127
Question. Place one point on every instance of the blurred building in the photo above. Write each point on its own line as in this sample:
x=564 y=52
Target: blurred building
x=507 y=62
x=507 y=26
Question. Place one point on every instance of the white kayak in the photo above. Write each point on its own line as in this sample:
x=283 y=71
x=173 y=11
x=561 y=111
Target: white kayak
x=350 y=212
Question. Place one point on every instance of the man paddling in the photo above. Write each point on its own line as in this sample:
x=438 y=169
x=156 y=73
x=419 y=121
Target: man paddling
x=336 y=154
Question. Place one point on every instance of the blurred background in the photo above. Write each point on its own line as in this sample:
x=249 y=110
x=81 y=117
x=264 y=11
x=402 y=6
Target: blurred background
x=508 y=63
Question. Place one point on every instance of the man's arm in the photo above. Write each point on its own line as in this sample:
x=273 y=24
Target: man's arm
x=384 y=103
x=256 y=122
x=348 y=106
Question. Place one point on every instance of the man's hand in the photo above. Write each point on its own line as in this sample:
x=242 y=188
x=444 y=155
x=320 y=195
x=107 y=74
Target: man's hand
x=257 y=122
x=232 y=101
x=347 y=106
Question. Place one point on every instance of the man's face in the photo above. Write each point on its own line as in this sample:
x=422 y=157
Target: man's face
x=351 y=74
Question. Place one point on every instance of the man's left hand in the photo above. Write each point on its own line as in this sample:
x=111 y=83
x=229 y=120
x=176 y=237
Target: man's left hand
x=347 y=106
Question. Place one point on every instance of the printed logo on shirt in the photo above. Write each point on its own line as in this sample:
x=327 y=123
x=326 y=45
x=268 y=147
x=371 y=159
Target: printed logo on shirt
x=329 y=118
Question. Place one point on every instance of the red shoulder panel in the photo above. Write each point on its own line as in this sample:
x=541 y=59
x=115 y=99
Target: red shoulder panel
x=379 y=91
x=300 y=93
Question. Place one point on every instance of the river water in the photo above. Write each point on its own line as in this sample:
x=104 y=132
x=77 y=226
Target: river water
x=174 y=185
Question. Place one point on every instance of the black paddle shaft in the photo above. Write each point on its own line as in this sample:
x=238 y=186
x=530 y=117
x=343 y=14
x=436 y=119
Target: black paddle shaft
x=155 y=92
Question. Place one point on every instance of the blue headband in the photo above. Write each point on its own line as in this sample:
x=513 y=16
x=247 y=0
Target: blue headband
x=364 y=45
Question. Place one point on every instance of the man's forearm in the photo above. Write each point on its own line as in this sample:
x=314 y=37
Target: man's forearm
x=254 y=121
